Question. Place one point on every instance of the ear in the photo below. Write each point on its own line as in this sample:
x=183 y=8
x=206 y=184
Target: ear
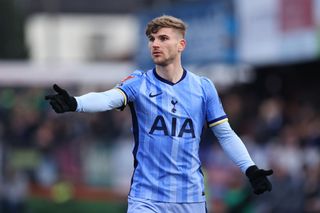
x=181 y=45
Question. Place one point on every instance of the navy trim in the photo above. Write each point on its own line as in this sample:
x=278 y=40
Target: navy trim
x=165 y=80
x=123 y=105
x=201 y=172
x=206 y=207
x=217 y=119
x=135 y=128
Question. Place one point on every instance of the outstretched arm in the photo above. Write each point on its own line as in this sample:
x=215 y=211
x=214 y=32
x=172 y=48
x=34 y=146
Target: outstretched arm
x=101 y=101
x=236 y=150
x=92 y=102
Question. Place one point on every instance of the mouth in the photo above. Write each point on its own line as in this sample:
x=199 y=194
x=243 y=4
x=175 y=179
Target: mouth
x=156 y=53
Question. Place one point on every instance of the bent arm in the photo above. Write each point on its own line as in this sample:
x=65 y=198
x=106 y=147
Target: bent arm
x=101 y=101
x=233 y=146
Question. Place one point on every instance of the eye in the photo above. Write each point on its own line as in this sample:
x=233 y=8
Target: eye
x=151 y=38
x=163 y=38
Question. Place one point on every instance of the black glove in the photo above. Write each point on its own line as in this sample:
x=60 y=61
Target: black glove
x=258 y=179
x=62 y=102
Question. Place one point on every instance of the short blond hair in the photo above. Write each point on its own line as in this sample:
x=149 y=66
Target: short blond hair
x=166 y=21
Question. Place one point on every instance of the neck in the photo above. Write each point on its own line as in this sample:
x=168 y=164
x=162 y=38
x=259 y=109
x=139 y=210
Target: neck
x=170 y=72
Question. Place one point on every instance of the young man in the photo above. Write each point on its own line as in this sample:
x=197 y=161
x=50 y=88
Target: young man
x=169 y=107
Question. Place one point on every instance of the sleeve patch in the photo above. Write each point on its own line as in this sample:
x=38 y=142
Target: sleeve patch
x=127 y=78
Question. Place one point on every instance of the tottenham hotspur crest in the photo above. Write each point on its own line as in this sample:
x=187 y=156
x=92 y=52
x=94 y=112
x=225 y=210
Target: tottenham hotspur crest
x=174 y=102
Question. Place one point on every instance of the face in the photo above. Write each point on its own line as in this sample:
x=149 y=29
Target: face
x=166 y=46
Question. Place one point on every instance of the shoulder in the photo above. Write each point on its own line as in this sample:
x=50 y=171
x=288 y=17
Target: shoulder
x=205 y=83
x=135 y=76
x=207 y=86
x=203 y=80
x=138 y=73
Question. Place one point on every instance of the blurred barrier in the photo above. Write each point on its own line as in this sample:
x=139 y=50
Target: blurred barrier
x=41 y=205
x=19 y=73
x=76 y=192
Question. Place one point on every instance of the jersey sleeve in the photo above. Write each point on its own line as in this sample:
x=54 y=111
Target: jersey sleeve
x=215 y=113
x=99 y=101
x=233 y=146
x=129 y=87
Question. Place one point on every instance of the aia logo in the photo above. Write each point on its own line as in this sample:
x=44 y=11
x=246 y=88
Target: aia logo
x=182 y=128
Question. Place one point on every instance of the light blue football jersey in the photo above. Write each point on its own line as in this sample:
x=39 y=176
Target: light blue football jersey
x=168 y=120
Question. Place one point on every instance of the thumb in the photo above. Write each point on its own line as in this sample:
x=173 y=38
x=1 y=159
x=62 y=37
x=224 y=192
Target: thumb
x=59 y=90
x=267 y=172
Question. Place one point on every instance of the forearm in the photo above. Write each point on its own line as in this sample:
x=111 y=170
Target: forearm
x=100 y=101
x=233 y=146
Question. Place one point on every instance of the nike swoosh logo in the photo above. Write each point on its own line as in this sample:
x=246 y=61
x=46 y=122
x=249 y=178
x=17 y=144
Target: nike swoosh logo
x=154 y=95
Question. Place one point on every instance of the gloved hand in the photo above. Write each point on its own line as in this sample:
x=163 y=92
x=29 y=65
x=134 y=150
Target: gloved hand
x=258 y=179
x=62 y=101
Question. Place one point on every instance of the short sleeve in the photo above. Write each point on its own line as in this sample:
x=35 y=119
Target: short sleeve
x=130 y=86
x=215 y=113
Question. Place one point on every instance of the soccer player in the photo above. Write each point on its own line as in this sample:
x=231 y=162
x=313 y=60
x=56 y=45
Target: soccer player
x=170 y=106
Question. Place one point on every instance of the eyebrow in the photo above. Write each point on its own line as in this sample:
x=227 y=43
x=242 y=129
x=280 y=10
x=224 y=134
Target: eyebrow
x=161 y=35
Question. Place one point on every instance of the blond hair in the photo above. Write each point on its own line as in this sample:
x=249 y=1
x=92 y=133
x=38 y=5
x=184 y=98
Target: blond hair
x=166 y=21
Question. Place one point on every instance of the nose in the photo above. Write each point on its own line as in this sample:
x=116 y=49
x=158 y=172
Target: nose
x=155 y=43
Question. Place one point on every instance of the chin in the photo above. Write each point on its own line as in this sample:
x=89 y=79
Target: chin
x=161 y=61
x=158 y=62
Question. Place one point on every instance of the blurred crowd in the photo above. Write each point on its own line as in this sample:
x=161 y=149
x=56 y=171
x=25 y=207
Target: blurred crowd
x=39 y=147
x=280 y=133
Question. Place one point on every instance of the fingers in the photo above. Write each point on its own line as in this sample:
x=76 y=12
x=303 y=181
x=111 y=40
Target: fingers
x=260 y=190
x=49 y=97
x=263 y=187
x=262 y=184
x=258 y=179
x=56 y=106
x=59 y=90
